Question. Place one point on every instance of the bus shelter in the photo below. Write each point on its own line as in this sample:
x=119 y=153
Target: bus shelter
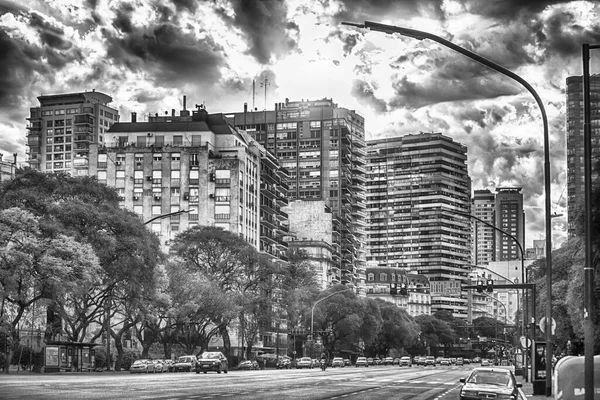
x=65 y=356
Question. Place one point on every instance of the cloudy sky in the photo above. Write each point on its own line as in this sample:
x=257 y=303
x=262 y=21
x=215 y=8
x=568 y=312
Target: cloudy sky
x=147 y=54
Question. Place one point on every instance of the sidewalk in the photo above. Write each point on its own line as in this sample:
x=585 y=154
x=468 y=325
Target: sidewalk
x=527 y=390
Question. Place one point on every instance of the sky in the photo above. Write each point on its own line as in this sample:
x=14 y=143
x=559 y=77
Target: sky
x=148 y=54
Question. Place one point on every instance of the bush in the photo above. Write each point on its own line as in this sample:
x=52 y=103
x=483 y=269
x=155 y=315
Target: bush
x=24 y=356
x=100 y=357
x=128 y=358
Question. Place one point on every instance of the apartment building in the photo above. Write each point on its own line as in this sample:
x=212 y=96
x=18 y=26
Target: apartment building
x=417 y=299
x=575 y=144
x=63 y=128
x=323 y=148
x=483 y=235
x=180 y=171
x=510 y=219
x=415 y=185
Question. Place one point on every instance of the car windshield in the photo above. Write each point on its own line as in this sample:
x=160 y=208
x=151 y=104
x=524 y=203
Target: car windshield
x=305 y=359
x=185 y=359
x=490 y=378
x=210 y=355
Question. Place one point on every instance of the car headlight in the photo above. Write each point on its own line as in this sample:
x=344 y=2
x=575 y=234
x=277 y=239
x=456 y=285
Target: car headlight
x=469 y=393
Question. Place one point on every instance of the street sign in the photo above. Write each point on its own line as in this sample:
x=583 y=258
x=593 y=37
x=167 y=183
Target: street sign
x=542 y=326
x=525 y=342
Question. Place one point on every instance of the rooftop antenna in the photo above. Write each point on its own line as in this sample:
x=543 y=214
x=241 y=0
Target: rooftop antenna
x=253 y=94
x=264 y=84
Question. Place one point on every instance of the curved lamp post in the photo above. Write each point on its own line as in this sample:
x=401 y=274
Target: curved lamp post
x=420 y=35
x=312 y=311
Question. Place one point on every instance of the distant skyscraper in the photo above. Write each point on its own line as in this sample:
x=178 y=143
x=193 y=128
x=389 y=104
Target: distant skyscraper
x=510 y=219
x=64 y=126
x=575 y=161
x=323 y=148
x=415 y=185
x=484 y=207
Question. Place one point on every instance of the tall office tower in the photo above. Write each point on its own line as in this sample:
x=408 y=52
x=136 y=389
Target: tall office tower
x=64 y=126
x=415 y=185
x=575 y=161
x=484 y=207
x=323 y=148
x=510 y=219
x=200 y=165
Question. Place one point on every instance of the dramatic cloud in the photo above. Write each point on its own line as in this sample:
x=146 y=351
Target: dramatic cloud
x=148 y=54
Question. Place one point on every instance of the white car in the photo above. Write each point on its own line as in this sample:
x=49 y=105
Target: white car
x=304 y=362
x=337 y=362
x=361 y=362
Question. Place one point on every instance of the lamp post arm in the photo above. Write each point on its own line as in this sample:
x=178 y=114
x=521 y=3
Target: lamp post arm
x=496 y=228
x=312 y=311
x=167 y=215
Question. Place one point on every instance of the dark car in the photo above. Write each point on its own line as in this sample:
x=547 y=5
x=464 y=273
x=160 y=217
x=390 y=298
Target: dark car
x=284 y=363
x=185 y=364
x=489 y=383
x=248 y=364
x=212 y=361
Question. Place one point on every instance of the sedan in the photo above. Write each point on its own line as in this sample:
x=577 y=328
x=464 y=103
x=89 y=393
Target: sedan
x=388 y=361
x=405 y=361
x=489 y=383
x=337 y=362
x=212 y=361
x=248 y=365
x=139 y=367
x=361 y=362
x=304 y=362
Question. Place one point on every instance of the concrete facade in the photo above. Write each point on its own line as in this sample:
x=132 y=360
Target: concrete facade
x=62 y=129
x=415 y=183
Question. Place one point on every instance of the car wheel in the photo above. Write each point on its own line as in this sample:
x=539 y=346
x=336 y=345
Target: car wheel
x=204 y=372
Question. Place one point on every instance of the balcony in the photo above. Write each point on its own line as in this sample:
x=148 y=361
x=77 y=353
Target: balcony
x=82 y=138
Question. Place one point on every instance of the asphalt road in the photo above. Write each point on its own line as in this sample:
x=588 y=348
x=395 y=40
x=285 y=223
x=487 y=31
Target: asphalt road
x=375 y=382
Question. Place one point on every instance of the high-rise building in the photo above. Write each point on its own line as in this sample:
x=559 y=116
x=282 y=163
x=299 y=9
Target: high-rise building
x=483 y=236
x=510 y=218
x=323 y=148
x=575 y=150
x=415 y=185
x=179 y=171
x=63 y=127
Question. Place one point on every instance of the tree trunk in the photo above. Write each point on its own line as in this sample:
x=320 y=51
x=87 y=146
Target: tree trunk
x=226 y=340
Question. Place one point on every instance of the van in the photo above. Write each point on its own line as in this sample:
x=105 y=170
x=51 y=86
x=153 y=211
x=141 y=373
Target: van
x=430 y=360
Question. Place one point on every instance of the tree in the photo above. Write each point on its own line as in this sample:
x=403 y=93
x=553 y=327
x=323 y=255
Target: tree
x=434 y=332
x=398 y=330
x=36 y=265
x=89 y=212
x=228 y=262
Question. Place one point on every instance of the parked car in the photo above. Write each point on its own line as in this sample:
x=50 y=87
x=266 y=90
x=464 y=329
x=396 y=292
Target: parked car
x=304 y=362
x=155 y=366
x=185 y=364
x=405 y=362
x=346 y=362
x=361 y=362
x=212 y=361
x=370 y=361
x=248 y=365
x=337 y=362
x=377 y=361
x=489 y=383
x=459 y=361
x=139 y=367
x=420 y=360
x=485 y=362
x=445 y=362
x=388 y=361
x=284 y=363
x=316 y=363
x=169 y=365
x=430 y=360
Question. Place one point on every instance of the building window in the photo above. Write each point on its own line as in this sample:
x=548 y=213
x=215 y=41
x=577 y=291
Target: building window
x=371 y=277
x=383 y=277
x=156 y=210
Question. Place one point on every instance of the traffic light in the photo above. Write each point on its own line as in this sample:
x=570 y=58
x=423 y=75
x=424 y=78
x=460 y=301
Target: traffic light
x=490 y=285
x=403 y=289
x=393 y=288
x=479 y=286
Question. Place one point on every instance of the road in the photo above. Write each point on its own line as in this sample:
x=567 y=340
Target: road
x=349 y=383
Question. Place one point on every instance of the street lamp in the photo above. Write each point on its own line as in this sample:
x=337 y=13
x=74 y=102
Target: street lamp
x=312 y=311
x=420 y=35
x=588 y=267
